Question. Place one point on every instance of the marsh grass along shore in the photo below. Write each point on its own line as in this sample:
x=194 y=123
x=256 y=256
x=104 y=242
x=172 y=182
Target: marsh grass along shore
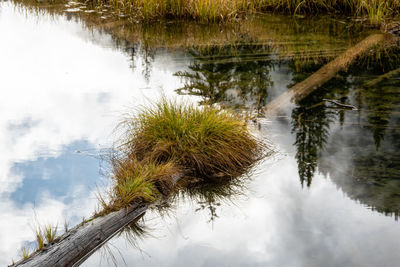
x=226 y=10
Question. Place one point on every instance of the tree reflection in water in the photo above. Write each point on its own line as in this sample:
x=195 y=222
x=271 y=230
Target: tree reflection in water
x=357 y=149
x=362 y=155
x=236 y=75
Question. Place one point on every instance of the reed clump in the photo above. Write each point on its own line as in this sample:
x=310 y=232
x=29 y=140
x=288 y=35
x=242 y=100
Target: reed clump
x=222 y=10
x=170 y=139
x=204 y=141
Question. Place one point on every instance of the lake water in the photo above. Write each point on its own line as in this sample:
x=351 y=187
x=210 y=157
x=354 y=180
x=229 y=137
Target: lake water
x=329 y=196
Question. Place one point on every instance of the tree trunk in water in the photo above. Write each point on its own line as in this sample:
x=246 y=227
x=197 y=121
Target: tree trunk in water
x=76 y=245
x=324 y=74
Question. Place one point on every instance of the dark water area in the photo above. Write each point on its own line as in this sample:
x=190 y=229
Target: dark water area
x=329 y=195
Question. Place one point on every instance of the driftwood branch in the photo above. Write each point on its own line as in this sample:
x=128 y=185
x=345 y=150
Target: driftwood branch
x=324 y=74
x=337 y=103
x=76 y=245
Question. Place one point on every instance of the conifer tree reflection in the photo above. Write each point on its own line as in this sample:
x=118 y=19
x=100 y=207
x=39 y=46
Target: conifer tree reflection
x=310 y=123
x=363 y=157
x=236 y=75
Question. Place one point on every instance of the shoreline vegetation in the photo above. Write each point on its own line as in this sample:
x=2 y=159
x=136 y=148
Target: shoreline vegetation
x=303 y=39
x=375 y=13
x=230 y=10
x=165 y=148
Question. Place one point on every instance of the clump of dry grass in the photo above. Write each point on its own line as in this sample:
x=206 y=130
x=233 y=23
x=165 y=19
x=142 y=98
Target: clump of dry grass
x=168 y=139
x=205 y=141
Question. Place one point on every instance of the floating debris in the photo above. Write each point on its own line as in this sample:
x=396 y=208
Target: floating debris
x=72 y=10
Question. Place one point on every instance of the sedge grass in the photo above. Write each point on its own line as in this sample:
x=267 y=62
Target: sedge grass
x=206 y=141
x=135 y=181
x=170 y=138
x=224 y=10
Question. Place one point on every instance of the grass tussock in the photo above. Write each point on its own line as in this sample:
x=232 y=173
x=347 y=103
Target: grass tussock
x=206 y=141
x=222 y=10
x=170 y=139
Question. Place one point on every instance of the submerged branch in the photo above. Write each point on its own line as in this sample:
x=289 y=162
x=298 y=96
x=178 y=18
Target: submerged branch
x=337 y=103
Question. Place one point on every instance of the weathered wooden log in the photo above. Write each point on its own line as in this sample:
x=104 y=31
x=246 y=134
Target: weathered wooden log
x=76 y=245
x=324 y=74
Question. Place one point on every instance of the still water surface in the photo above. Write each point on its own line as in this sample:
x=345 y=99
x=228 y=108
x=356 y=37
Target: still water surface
x=330 y=196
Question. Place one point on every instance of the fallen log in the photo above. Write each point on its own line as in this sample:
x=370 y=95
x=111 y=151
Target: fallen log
x=76 y=245
x=324 y=74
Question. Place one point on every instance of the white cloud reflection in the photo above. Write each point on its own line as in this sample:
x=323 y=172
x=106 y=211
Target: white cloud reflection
x=282 y=225
x=58 y=88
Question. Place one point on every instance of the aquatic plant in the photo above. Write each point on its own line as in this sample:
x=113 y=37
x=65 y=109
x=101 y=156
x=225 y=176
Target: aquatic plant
x=317 y=39
x=223 y=10
x=204 y=141
x=167 y=139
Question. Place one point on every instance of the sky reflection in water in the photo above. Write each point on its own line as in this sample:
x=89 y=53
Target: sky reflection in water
x=61 y=92
x=66 y=91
